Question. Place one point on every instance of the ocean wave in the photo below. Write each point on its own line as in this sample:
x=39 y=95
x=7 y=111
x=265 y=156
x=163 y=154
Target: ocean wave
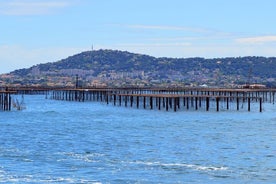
x=191 y=166
x=8 y=177
x=5 y=178
x=86 y=157
x=51 y=112
x=2 y=173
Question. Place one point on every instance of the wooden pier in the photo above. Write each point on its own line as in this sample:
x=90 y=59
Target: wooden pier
x=172 y=99
x=178 y=99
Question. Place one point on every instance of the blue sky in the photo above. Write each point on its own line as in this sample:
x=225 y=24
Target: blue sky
x=40 y=31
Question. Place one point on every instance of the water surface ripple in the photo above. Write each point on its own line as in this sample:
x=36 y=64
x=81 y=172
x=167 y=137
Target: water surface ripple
x=71 y=142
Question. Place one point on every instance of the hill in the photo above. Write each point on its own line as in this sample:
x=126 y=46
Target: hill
x=121 y=68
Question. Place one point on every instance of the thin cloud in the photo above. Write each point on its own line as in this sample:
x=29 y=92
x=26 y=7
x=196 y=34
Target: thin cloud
x=180 y=44
x=31 y=7
x=171 y=28
x=257 y=39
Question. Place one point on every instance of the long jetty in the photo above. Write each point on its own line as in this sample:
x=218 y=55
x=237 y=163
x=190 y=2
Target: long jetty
x=171 y=99
x=168 y=99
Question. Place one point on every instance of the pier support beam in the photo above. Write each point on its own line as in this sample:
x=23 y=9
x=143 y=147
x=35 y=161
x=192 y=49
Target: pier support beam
x=167 y=103
x=175 y=104
x=151 y=103
x=137 y=102
x=207 y=103
x=196 y=106
x=144 y=102
x=248 y=103
x=217 y=102
x=261 y=108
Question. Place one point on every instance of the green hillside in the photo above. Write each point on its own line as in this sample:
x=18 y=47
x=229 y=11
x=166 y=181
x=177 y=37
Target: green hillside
x=118 y=68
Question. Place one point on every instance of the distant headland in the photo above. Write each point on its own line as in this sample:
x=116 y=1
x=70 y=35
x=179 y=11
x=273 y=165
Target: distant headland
x=113 y=68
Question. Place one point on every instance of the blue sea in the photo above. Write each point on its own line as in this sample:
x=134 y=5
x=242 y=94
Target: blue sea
x=92 y=142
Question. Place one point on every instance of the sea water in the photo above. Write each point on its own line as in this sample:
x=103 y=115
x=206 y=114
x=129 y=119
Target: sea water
x=92 y=142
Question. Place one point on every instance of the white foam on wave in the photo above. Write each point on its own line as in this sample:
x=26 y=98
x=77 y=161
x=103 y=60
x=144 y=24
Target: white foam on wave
x=6 y=177
x=2 y=174
x=86 y=157
x=191 y=166
x=206 y=168
x=34 y=179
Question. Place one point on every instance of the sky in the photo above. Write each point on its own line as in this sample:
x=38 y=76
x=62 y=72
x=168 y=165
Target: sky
x=41 y=31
